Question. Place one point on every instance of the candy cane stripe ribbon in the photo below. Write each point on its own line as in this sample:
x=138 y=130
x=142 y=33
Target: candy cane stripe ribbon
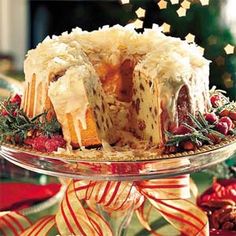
x=78 y=213
x=41 y=227
x=13 y=223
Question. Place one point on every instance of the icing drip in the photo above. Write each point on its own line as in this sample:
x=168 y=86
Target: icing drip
x=69 y=97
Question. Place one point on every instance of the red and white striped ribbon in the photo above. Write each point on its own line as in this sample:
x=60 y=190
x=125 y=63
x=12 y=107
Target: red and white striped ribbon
x=78 y=213
x=41 y=227
x=13 y=223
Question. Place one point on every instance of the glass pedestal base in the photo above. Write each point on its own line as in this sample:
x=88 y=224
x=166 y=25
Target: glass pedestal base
x=113 y=190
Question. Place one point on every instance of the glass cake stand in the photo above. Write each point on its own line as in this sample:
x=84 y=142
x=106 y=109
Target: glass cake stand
x=143 y=168
x=139 y=169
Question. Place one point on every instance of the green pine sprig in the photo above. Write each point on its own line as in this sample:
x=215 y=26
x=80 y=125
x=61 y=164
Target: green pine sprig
x=15 y=126
x=198 y=132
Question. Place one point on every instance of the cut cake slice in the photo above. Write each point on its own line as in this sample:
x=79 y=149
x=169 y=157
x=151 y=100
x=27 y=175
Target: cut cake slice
x=168 y=84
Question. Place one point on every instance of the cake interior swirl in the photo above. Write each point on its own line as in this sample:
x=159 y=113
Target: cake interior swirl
x=105 y=85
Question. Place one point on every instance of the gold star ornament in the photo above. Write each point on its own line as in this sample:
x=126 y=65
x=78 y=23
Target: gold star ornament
x=190 y=38
x=186 y=4
x=140 y=12
x=229 y=49
x=124 y=1
x=165 y=28
x=174 y=1
x=181 y=12
x=162 y=4
x=138 y=24
x=204 y=2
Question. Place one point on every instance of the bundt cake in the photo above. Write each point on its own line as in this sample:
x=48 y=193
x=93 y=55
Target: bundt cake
x=103 y=82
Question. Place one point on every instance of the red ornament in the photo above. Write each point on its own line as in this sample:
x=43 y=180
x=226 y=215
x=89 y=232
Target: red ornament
x=16 y=99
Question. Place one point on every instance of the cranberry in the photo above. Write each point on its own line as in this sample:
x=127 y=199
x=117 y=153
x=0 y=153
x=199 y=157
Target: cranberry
x=181 y=130
x=4 y=112
x=29 y=141
x=214 y=138
x=16 y=99
x=211 y=117
x=225 y=112
x=51 y=145
x=188 y=145
x=232 y=115
x=222 y=127
x=39 y=143
x=59 y=138
x=45 y=144
x=228 y=121
x=54 y=143
x=15 y=113
x=215 y=100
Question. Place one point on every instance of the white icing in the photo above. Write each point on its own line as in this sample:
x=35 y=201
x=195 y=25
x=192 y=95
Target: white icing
x=68 y=96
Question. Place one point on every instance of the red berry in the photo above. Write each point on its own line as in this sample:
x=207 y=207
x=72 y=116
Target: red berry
x=214 y=138
x=54 y=143
x=211 y=117
x=16 y=99
x=51 y=145
x=225 y=112
x=228 y=121
x=181 y=130
x=222 y=127
x=60 y=140
x=215 y=100
x=232 y=115
x=29 y=141
x=4 y=112
x=188 y=145
x=15 y=113
x=39 y=143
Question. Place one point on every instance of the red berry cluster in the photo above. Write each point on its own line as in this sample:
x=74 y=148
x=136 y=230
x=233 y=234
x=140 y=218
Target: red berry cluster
x=44 y=143
x=226 y=119
x=14 y=103
x=29 y=132
x=186 y=145
x=214 y=126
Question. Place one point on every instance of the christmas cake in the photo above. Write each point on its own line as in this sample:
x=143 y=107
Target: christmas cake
x=100 y=83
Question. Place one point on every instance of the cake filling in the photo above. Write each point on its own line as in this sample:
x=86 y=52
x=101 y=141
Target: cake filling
x=117 y=80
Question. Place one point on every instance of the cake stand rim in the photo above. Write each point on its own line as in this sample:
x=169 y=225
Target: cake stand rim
x=148 y=170
x=205 y=149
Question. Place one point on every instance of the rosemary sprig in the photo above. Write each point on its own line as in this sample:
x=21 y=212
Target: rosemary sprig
x=198 y=132
x=15 y=126
x=195 y=137
x=219 y=109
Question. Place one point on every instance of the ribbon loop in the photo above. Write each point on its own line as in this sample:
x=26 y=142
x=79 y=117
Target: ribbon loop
x=80 y=211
